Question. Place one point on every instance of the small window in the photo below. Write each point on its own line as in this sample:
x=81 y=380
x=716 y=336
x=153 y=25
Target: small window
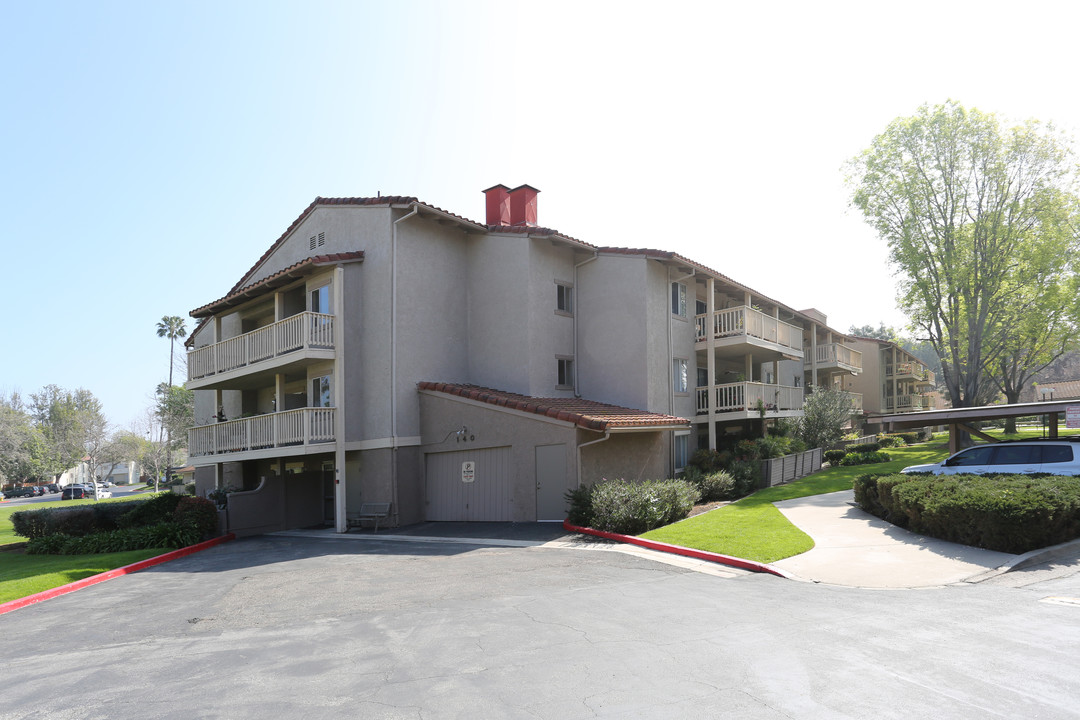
x=678 y=299
x=679 y=370
x=701 y=307
x=564 y=298
x=320 y=392
x=565 y=373
x=682 y=451
x=1057 y=454
x=320 y=300
x=702 y=377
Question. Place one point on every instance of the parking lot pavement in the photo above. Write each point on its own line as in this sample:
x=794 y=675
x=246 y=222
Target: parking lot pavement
x=291 y=627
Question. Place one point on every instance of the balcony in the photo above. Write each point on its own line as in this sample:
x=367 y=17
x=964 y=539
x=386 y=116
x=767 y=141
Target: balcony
x=291 y=432
x=737 y=327
x=276 y=346
x=742 y=399
x=836 y=356
x=908 y=403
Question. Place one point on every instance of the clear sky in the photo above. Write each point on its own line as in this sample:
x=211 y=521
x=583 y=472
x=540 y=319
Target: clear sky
x=153 y=151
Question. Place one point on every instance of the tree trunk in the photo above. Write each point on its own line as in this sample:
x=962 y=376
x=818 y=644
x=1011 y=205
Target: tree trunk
x=1011 y=397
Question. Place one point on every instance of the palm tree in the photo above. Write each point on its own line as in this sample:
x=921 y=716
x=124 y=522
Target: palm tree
x=172 y=327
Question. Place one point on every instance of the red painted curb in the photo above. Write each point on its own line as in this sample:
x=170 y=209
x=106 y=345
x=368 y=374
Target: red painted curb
x=110 y=574
x=679 y=550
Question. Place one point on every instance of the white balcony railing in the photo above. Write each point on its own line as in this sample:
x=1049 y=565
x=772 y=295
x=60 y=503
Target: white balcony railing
x=303 y=330
x=908 y=403
x=748 y=322
x=835 y=354
x=305 y=426
x=745 y=396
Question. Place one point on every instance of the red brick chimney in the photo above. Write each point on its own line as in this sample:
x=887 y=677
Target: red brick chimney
x=498 y=205
x=523 y=206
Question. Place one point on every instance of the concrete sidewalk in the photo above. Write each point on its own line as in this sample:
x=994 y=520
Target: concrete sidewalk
x=856 y=549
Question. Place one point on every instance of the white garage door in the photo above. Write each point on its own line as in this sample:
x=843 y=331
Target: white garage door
x=469 y=485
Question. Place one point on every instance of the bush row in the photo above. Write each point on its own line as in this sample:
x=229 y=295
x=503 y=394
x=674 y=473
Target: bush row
x=1007 y=513
x=161 y=535
x=856 y=457
x=115 y=519
x=631 y=508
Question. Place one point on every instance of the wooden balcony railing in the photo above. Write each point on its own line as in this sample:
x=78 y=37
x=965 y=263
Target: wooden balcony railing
x=744 y=396
x=301 y=331
x=305 y=426
x=747 y=322
x=836 y=355
x=908 y=403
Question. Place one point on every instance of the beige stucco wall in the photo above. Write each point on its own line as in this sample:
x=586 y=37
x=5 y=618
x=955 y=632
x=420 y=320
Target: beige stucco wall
x=627 y=456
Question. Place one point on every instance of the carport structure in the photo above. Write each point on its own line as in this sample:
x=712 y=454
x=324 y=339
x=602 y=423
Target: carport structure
x=960 y=419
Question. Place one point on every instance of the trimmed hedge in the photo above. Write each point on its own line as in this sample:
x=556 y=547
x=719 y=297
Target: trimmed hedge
x=864 y=458
x=833 y=457
x=864 y=447
x=631 y=508
x=161 y=535
x=1007 y=513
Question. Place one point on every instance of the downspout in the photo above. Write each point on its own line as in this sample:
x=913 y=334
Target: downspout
x=607 y=436
x=577 y=310
x=393 y=358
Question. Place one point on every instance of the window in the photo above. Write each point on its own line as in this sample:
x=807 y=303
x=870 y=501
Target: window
x=682 y=451
x=320 y=392
x=678 y=299
x=1017 y=455
x=701 y=307
x=565 y=372
x=974 y=456
x=1057 y=454
x=678 y=371
x=564 y=298
x=320 y=300
x=702 y=377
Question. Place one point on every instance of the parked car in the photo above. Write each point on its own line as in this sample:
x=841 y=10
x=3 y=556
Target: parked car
x=103 y=493
x=1013 y=457
x=53 y=487
x=18 y=492
x=39 y=490
x=76 y=492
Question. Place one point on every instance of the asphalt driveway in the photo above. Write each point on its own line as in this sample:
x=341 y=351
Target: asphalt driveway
x=287 y=627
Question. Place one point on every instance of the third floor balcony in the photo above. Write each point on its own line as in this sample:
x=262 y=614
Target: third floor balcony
x=277 y=347
x=740 y=329
x=834 y=356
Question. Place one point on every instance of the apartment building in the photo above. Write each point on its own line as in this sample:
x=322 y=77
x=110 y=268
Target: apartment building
x=386 y=350
x=893 y=380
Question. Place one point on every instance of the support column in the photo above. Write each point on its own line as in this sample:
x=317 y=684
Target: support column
x=813 y=354
x=710 y=362
x=341 y=523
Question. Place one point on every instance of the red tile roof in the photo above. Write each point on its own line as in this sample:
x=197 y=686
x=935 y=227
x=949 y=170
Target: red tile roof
x=587 y=414
x=270 y=281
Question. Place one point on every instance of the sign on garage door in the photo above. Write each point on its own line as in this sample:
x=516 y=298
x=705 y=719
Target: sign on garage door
x=469 y=485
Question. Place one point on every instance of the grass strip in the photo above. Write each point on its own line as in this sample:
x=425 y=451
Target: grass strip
x=22 y=575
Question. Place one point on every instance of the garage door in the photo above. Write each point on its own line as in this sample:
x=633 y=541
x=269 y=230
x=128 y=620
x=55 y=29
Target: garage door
x=469 y=485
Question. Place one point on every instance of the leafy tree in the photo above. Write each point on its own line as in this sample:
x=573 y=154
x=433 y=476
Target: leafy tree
x=172 y=327
x=66 y=419
x=23 y=452
x=174 y=407
x=972 y=210
x=826 y=411
x=868 y=331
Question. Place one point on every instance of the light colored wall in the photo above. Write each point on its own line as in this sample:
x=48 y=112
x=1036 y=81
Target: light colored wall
x=627 y=456
x=869 y=381
x=442 y=416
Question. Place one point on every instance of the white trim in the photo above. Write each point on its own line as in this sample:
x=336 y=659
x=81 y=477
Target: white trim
x=384 y=442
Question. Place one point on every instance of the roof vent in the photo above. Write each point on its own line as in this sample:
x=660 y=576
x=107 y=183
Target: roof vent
x=317 y=240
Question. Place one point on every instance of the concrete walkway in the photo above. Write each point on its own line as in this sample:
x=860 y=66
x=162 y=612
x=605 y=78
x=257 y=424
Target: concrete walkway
x=856 y=549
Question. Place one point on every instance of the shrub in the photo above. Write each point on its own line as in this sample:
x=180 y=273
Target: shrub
x=75 y=521
x=833 y=457
x=909 y=437
x=719 y=485
x=580 y=501
x=864 y=447
x=864 y=458
x=161 y=535
x=198 y=511
x=889 y=441
x=631 y=508
x=747 y=474
x=156 y=509
x=748 y=450
x=706 y=460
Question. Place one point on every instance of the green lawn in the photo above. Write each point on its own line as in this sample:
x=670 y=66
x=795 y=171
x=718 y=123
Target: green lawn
x=22 y=575
x=754 y=529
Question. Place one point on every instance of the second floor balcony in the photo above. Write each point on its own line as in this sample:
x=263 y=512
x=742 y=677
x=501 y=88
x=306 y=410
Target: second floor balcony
x=740 y=326
x=908 y=403
x=291 y=432
x=910 y=371
x=748 y=399
x=835 y=356
x=285 y=342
